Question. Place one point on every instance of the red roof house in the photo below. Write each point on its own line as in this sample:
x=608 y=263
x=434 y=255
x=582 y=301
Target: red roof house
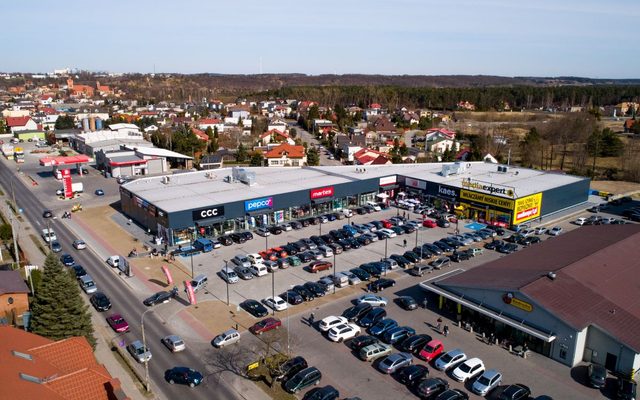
x=286 y=155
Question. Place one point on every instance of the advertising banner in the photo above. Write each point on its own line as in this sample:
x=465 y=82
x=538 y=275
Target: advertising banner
x=321 y=192
x=258 y=204
x=190 y=293
x=527 y=208
x=447 y=191
x=167 y=274
x=415 y=183
x=509 y=298
x=388 y=180
x=486 y=199
x=209 y=212
x=67 y=184
x=278 y=216
x=490 y=188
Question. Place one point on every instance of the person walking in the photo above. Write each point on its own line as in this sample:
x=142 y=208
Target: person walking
x=312 y=318
x=446 y=330
x=404 y=243
x=439 y=321
x=425 y=302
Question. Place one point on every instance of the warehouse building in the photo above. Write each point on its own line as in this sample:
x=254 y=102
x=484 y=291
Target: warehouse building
x=182 y=206
x=572 y=298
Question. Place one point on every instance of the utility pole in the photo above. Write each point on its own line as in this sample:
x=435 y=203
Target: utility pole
x=144 y=344
x=13 y=234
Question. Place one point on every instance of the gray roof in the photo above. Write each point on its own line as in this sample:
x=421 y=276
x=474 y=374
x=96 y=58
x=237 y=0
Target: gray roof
x=203 y=188
x=125 y=158
x=12 y=282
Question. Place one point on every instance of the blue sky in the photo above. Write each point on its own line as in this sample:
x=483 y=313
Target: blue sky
x=415 y=37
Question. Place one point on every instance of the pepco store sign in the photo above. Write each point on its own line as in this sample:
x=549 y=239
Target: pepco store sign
x=321 y=192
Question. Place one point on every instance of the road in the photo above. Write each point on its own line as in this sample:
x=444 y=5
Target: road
x=309 y=138
x=125 y=303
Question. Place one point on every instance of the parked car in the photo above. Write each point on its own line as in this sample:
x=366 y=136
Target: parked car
x=315 y=288
x=450 y=359
x=431 y=387
x=292 y=297
x=488 y=381
x=79 y=244
x=262 y=231
x=160 y=297
x=184 y=376
x=238 y=238
x=431 y=350
x=440 y=262
x=290 y=368
x=407 y=302
x=626 y=389
x=100 y=301
x=322 y=393
x=118 y=323
x=373 y=300
x=412 y=374
x=343 y=332
x=597 y=375
x=362 y=341
x=317 y=266
x=468 y=370
x=516 y=391
x=398 y=334
x=139 y=352
x=413 y=344
x=225 y=240
x=243 y=272
x=555 y=231
x=459 y=256
x=452 y=394
x=395 y=361
x=380 y=284
x=67 y=260
x=79 y=271
x=174 y=343
x=303 y=379
x=254 y=308
x=331 y=321
x=372 y=317
x=382 y=326
x=356 y=312
x=265 y=325
x=276 y=303
x=361 y=274
x=226 y=338
x=305 y=293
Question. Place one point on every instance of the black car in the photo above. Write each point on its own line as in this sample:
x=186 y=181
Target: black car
x=442 y=223
x=157 y=298
x=47 y=214
x=453 y=394
x=254 y=308
x=415 y=343
x=430 y=387
x=247 y=235
x=295 y=225
x=516 y=391
x=363 y=240
x=67 y=260
x=514 y=238
x=275 y=230
x=453 y=244
x=100 y=301
x=303 y=292
x=345 y=243
x=305 y=222
x=432 y=248
x=411 y=256
x=494 y=244
x=290 y=249
x=328 y=239
x=398 y=230
x=237 y=238
x=362 y=341
x=356 y=312
x=412 y=374
x=305 y=256
x=317 y=240
x=290 y=368
x=402 y=261
x=79 y=271
x=336 y=234
x=459 y=256
x=225 y=240
x=371 y=269
x=361 y=274
x=355 y=244
x=292 y=297
x=445 y=247
x=408 y=228
x=313 y=220
x=183 y=375
x=337 y=249
x=360 y=211
x=626 y=389
x=407 y=302
x=322 y=393
x=300 y=246
x=380 y=284
x=314 y=288
x=347 y=233
x=369 y=209
x=507 y=248
x=372 y=317
x=597 y=375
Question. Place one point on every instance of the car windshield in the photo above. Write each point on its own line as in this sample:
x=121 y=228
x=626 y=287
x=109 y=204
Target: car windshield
x=118 y=320
x=483 y=380
x=446 y=358
x=465 y=367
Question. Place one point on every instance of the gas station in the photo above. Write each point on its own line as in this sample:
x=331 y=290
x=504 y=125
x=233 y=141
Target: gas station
x=61 y=169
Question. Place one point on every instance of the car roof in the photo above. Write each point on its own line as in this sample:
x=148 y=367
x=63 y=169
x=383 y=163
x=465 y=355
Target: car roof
x=473 y=361
x=490 y=373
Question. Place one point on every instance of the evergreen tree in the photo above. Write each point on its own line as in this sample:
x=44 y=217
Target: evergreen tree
x=313 y=158
x=241 y=154
x=58 y=310
x=257 y=160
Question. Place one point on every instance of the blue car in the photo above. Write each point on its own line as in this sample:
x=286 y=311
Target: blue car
x=350 y=229
x=372 y=317
x=67 y=260
x=382 y=326
x=56 y=247
x=398 y=334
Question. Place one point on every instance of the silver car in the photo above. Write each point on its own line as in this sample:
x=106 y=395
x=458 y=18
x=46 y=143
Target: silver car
x=140 y=353
x=395 y=361
x=488 y=381
x=241 y=260
x=174 y=343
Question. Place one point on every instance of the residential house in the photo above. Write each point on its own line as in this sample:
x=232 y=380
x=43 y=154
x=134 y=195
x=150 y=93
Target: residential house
x=440 y=145
x=373 y=110
x=46 y=99
x=16 y=124
x=151 y=128
x=200 y=134
x=34 y=367
x=465 y=105
x=383 y=127
x=371 y=157
x=439 y=133
x=275 y=136
x=239 y=112
x=212 y=123
x=410 y=118
x=286 y=155
x=14 y=298
x=277 y=124
x=321 y=124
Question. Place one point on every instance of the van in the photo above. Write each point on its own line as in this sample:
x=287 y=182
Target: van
x=87 y=284
x=340 y=279
x=229 y=275
x=203 y=245
x=199 y=282
x=347 y=213
x=259 y=269
x=374 y=351
x=420 y=269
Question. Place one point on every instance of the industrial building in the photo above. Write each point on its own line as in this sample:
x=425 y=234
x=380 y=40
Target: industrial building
x=572 y=298
x=181 y=207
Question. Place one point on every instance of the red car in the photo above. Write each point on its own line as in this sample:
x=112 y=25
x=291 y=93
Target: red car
x=280 y=252
x=268 y=255
x=118 y=323
x=265 y=325
x=431 y=350
x=429 y=223
x=387 y=224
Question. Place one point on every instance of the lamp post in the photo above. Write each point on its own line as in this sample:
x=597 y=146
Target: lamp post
x=386 y=241
x=226 y=262
x=334 y=270
x=144 y=344
x=417 y=237
x=273 y=290
x=191 y=253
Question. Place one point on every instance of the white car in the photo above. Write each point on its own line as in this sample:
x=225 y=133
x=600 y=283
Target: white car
x=326 y=251
x=49 y=235
x=286 y=227
x=226 y=338
x=450 y=359
x=79 y=244
x=541 y=230
x=374 y=300
x=331 y=321
x=255 y=258
x=276 y=303
x=375 y=206
x=343 y=332
x=388 y=232
x=555 y=231
x=263 y=231
x=140 y=353
x=527 y=232
x=580 y=221
x=468 y=370
x=488 y=381
x=174 y=343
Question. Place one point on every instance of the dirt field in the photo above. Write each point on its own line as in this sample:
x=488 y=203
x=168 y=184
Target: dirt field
x=616 y=187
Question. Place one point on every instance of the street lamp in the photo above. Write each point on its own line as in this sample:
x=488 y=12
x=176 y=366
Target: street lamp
x=226 y=262
x=144 y=345
x=417 y=237
x=334 y=270
x=191 y=253
x=273 y=290
x=386 y=241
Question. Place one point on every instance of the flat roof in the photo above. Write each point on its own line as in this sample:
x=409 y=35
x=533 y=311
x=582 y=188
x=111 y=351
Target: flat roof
x=201 y=189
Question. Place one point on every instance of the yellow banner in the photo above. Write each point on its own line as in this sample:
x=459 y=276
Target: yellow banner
x=527 y=208
x=523 y=305
x=487 y=199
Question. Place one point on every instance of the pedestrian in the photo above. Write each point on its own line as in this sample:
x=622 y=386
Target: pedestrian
x=404 y=243
x=439 y=321
x=425 y=302
x=312 y=318
x=446 y=330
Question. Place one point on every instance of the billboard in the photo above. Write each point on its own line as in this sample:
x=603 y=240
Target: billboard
x=486 y=199
x=258 y=204
x=388 y=180
x=490 y=188
x=527 y=208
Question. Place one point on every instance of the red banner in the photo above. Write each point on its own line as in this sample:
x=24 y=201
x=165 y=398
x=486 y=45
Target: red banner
x=67 y=184
x=190 y=293
x=321 y=192
x=167 y=274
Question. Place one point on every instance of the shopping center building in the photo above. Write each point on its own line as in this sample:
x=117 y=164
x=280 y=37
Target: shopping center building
x=180 y=207
x=572 y=298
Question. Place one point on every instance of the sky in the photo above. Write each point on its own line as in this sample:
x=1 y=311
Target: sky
x=587 y=38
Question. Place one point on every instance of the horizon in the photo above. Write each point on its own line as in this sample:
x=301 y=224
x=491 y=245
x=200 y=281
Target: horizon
x=409 y=37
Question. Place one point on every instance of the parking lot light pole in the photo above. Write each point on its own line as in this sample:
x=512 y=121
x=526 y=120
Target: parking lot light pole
x=273 y=290
x=226 y=262
x=417 y=237
x=144 y=345
x=334 y=270
x=386 y=241
x=191 y=252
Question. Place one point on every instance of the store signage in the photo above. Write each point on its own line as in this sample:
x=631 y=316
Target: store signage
x=322 y=192
x=258 y=204
x=489 y=188
x=415 y=183
x=388 y=180
x=210 y=212
x=67 y=184
x=447 y=191
x=486 y=199
x=509 y=298
x=527 y=208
